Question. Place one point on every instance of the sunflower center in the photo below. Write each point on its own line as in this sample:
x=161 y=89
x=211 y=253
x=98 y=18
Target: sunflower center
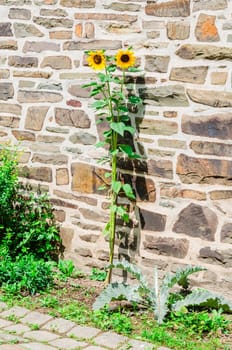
x=97 y=59
x=125 y=58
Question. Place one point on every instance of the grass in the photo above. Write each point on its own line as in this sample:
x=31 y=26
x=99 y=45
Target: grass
x=72 y=299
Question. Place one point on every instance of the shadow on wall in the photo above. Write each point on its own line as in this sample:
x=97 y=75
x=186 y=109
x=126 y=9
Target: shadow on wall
x=133 y=171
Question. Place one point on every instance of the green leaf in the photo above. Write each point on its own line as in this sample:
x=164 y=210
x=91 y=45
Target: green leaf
x=99 y=104
x=100 y=144
x=103 y=77
x=123 y=109
x=130 y=129
x=114 y=208
x=116 y=186
x=127 y=149
x=121 y=211
x=107 y=175
x=102 y=188
x=119 y=128
x=133 y=70
x=106 y=229
x=128 y=191
x=95 y=92
x=114 y=152
x=111 y=68
x=135 y=99
x=93 y=83
x=107 y=133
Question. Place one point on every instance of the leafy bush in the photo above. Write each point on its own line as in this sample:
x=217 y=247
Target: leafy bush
x=27 y=223
x=25 y=274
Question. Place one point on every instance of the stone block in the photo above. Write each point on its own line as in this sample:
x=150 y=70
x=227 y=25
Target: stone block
x=212 y=148
x=19 y=13
x=172 y=8
x=210 y=52
x=152 y=221
x=51 y=23
x=26 y=96
x=6 y=91
x=209 y=5
x=35 y=117
x=170 y=95
x=5 y=29
x=22 y=135
x=23 y=30
x=8 y=45
x=156 y=63
x=78 y=3
x=68 y=117
x=194 y=75
x=218 y=78
x=226 y=233
x=40 y=46
x=62 y=176
x=197 y=221
x=206 y=29
x=37 y=173
x=218 y=125
x=121 y=7
x=178 y=30
x=23 y=62
x=103 y=44
x=167 y=246
x=204 y=171
x=57 y=62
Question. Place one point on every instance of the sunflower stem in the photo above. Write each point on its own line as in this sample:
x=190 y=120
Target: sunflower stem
x=114 y=196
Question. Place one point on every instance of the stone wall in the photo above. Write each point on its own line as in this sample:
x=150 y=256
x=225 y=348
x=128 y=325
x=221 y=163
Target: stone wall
x=183 y=182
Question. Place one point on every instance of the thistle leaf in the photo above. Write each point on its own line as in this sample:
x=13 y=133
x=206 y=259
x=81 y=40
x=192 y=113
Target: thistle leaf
x=134 y=270
x=116 y=291
x=181 y=276
x=205 y=298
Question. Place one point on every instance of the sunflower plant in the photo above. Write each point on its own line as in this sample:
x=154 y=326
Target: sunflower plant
x=112 y=107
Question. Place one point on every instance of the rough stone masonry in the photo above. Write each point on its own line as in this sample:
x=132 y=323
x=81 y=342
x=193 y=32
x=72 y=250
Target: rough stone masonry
x=184 y=132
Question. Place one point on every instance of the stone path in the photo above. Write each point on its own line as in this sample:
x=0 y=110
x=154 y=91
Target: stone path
x=22 y=329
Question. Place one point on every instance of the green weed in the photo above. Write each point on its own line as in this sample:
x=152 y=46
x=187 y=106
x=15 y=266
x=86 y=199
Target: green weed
x=97 y=275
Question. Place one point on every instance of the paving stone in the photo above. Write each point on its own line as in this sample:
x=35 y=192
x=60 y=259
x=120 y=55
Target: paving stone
x=84 y=332
x=41 y=335
x=92 y=347
x=137 y=345
x=36 y=346
x=5 y=323
x=59 y=325
x=110 y=339
x=17 y=311
x=35 y=317
x=68 y=344
x=11 y=347
x=17 y=328
x=3 y=306
x=11 y=338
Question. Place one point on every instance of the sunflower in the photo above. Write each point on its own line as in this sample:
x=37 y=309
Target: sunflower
x=96 y=60
x=125 y=59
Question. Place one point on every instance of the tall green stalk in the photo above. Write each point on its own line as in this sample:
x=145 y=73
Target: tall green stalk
x=113 y=108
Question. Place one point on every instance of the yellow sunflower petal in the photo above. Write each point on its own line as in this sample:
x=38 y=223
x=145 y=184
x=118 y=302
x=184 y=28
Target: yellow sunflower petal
x=125 y=59
x=96 y=60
